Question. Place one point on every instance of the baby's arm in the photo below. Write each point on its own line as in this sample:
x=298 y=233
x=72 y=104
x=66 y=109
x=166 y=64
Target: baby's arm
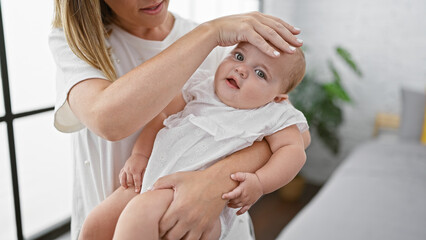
x=134 y=168
x=288 y=157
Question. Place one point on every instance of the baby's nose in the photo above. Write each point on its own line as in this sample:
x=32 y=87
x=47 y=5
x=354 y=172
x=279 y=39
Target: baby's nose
x=242 y=71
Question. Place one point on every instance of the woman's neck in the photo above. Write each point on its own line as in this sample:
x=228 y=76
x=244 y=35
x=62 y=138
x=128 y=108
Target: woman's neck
x=157 y=33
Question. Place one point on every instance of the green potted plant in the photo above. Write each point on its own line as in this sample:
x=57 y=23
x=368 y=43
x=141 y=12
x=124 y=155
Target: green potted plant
x=321 y=102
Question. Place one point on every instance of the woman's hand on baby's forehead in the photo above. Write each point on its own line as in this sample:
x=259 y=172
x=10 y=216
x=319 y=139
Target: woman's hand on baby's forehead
x=268 y=33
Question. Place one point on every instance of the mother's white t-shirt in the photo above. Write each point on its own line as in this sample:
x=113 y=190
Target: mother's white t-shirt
x=97 y=162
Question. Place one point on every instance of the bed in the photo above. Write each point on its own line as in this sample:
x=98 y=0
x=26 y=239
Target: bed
x=378 y=192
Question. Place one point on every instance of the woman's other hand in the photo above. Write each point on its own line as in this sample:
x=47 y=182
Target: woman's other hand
x=259 y=29
x=195 y=206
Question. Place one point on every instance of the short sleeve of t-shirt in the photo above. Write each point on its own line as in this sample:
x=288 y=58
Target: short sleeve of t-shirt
x=70 y=71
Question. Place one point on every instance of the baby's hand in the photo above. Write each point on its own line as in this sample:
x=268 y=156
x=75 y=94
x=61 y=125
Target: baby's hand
x=133 y=171
x=246 y=194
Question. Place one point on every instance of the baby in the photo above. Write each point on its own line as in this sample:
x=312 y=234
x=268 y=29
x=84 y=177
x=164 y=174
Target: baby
x=214 y=117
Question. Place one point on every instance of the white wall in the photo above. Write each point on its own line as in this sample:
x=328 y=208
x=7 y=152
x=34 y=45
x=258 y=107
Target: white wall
x=201 y=11
x=387 y=38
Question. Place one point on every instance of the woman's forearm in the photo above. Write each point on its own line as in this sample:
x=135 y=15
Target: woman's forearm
x=146 y=90
x=247 y=160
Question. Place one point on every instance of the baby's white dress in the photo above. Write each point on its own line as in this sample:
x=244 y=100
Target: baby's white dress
x=207 y=130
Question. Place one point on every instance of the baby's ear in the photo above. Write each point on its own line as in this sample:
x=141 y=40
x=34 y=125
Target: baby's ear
x=281 y=97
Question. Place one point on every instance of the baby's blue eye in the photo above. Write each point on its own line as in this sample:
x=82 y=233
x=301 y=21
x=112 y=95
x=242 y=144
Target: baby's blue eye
x=260 y=73
x=239 y=56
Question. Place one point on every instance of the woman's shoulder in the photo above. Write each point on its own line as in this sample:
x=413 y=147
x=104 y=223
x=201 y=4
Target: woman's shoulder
x=58 y=43
x=55 y=35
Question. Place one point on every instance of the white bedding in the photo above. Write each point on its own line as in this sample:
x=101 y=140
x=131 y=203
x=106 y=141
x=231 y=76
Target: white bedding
x=378 y=192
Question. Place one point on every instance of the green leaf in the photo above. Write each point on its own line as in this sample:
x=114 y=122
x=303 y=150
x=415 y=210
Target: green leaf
x=304 y=96
x=329 y=113
x=336 y=75
x=334 y=89
x=329 y=137
x=346 y=56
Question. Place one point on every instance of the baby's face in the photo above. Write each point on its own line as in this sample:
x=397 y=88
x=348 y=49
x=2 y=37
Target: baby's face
x=248 y=78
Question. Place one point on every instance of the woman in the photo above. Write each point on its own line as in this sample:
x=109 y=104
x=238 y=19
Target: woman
x=111 y=82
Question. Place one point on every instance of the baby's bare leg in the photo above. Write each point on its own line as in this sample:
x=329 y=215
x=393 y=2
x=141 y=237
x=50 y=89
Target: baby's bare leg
x=101 y=221
x=142 y=215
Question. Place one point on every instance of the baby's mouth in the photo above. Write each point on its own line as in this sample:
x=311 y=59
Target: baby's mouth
x=232 y=83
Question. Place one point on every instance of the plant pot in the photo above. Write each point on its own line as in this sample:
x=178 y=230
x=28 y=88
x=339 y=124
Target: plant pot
x=293 y=190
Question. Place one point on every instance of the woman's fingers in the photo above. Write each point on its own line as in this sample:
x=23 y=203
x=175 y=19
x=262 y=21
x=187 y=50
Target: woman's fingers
x=129 y=179
x=123 y=179
x=278 y=33
x=273 y=37
x=175 y=231
x=166 y=223
x=208 y=232
x=192 y=235
x=167 y=181
x=257 y=40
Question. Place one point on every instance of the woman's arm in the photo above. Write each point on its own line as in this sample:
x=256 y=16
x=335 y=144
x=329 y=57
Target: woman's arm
x=197 y=202
x=116 y=110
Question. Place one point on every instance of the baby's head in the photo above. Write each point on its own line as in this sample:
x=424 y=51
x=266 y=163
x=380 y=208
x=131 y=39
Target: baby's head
x=248 y=78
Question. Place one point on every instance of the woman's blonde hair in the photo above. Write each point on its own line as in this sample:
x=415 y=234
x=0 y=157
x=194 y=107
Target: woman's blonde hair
x=84 y=24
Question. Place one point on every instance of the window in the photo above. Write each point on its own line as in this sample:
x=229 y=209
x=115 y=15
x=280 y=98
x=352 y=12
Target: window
x=2 y=112
x=25 y=31
x=7 y=216
x=35 y=162
x=44 y=163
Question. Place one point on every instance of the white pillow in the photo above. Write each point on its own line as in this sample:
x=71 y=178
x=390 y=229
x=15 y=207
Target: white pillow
x=412 y=112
